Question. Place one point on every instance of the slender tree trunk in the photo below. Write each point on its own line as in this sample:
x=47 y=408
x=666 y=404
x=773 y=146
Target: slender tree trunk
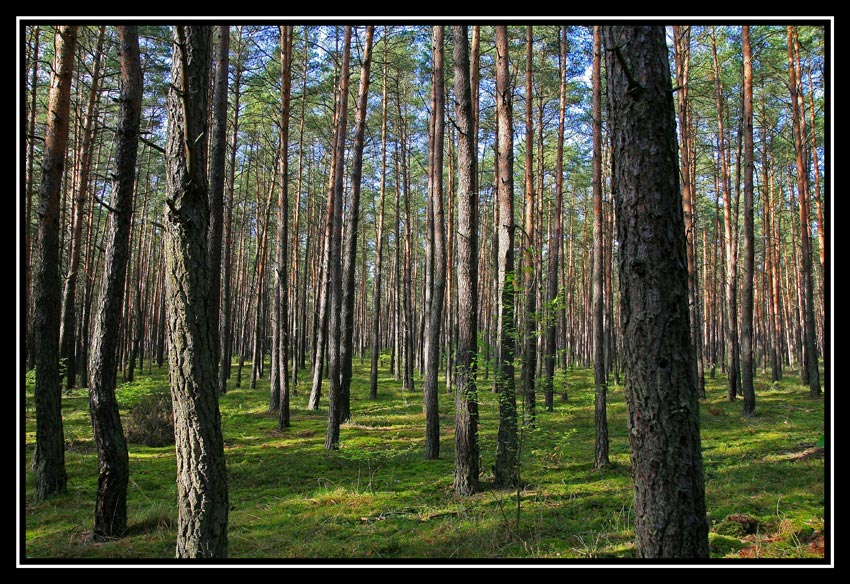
x=113 y=462
x=662 y=399
x=529 y=356
x=218 y=140
x=30 y=343
x=379 y=240
x=466 y=396
x=438 y=277
x=201 y=470
x=225 y=339
x=507 y=445
x=748 y=281
x=335 y=257
x=599 y=374
x=67 y=331
x=809 y=334
x=281 y=294
x=350 y=244
x=49 y=458
x=555 y=237
x=732 y=348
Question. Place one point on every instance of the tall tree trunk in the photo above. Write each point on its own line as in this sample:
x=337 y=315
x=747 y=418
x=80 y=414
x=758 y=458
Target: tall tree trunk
x=281 y=292
x=335 y=256
x=555 y=237
x=809 y=334
x=732 y=348
x=379 y=239
x=110 y=519
x=49 y=458
x=438 y=260
x=201 y=469
x=218 y=140
x=529 y=353
x=67 y=331
x=507 y=445
x=466 y=396
x=662 y=399
x=225 y=339
x=748 y=281
x=351 y=226
x=30 y=344
x=682 y=54
x=600 y=378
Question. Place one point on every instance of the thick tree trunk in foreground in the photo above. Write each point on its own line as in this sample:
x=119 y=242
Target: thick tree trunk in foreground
x=507 y=444
x=201 y=470
x=662 y=399
x=466 y=398
x=49 y=458
x=110 y=518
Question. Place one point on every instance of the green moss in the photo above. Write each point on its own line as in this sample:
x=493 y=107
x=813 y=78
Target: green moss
x=723 y=545
x=377 y=497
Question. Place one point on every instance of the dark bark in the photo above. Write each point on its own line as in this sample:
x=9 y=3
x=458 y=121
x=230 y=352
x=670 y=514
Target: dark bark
x=438 y=263
x=555 y=239
x=113 y=462
x=662 y=399
x=600 y=377
x=507 y=445
x=748 y=280
x=201 y=469
x=334 y=275
x=29 y=348
x=351 y=226
x=49 y=458
x=218 y=140
x=466 y=393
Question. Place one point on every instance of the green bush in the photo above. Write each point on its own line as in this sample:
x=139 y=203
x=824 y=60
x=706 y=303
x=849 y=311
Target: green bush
x=723 y=545
x=151 y=422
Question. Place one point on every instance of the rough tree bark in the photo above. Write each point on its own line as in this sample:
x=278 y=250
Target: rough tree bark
x=49 y=458
x=201 y=470
x=466 y=394
x=110 y=519
x=662 y=399
x=507 y=445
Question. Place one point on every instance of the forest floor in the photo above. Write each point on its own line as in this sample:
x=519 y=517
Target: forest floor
x=378 y=498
